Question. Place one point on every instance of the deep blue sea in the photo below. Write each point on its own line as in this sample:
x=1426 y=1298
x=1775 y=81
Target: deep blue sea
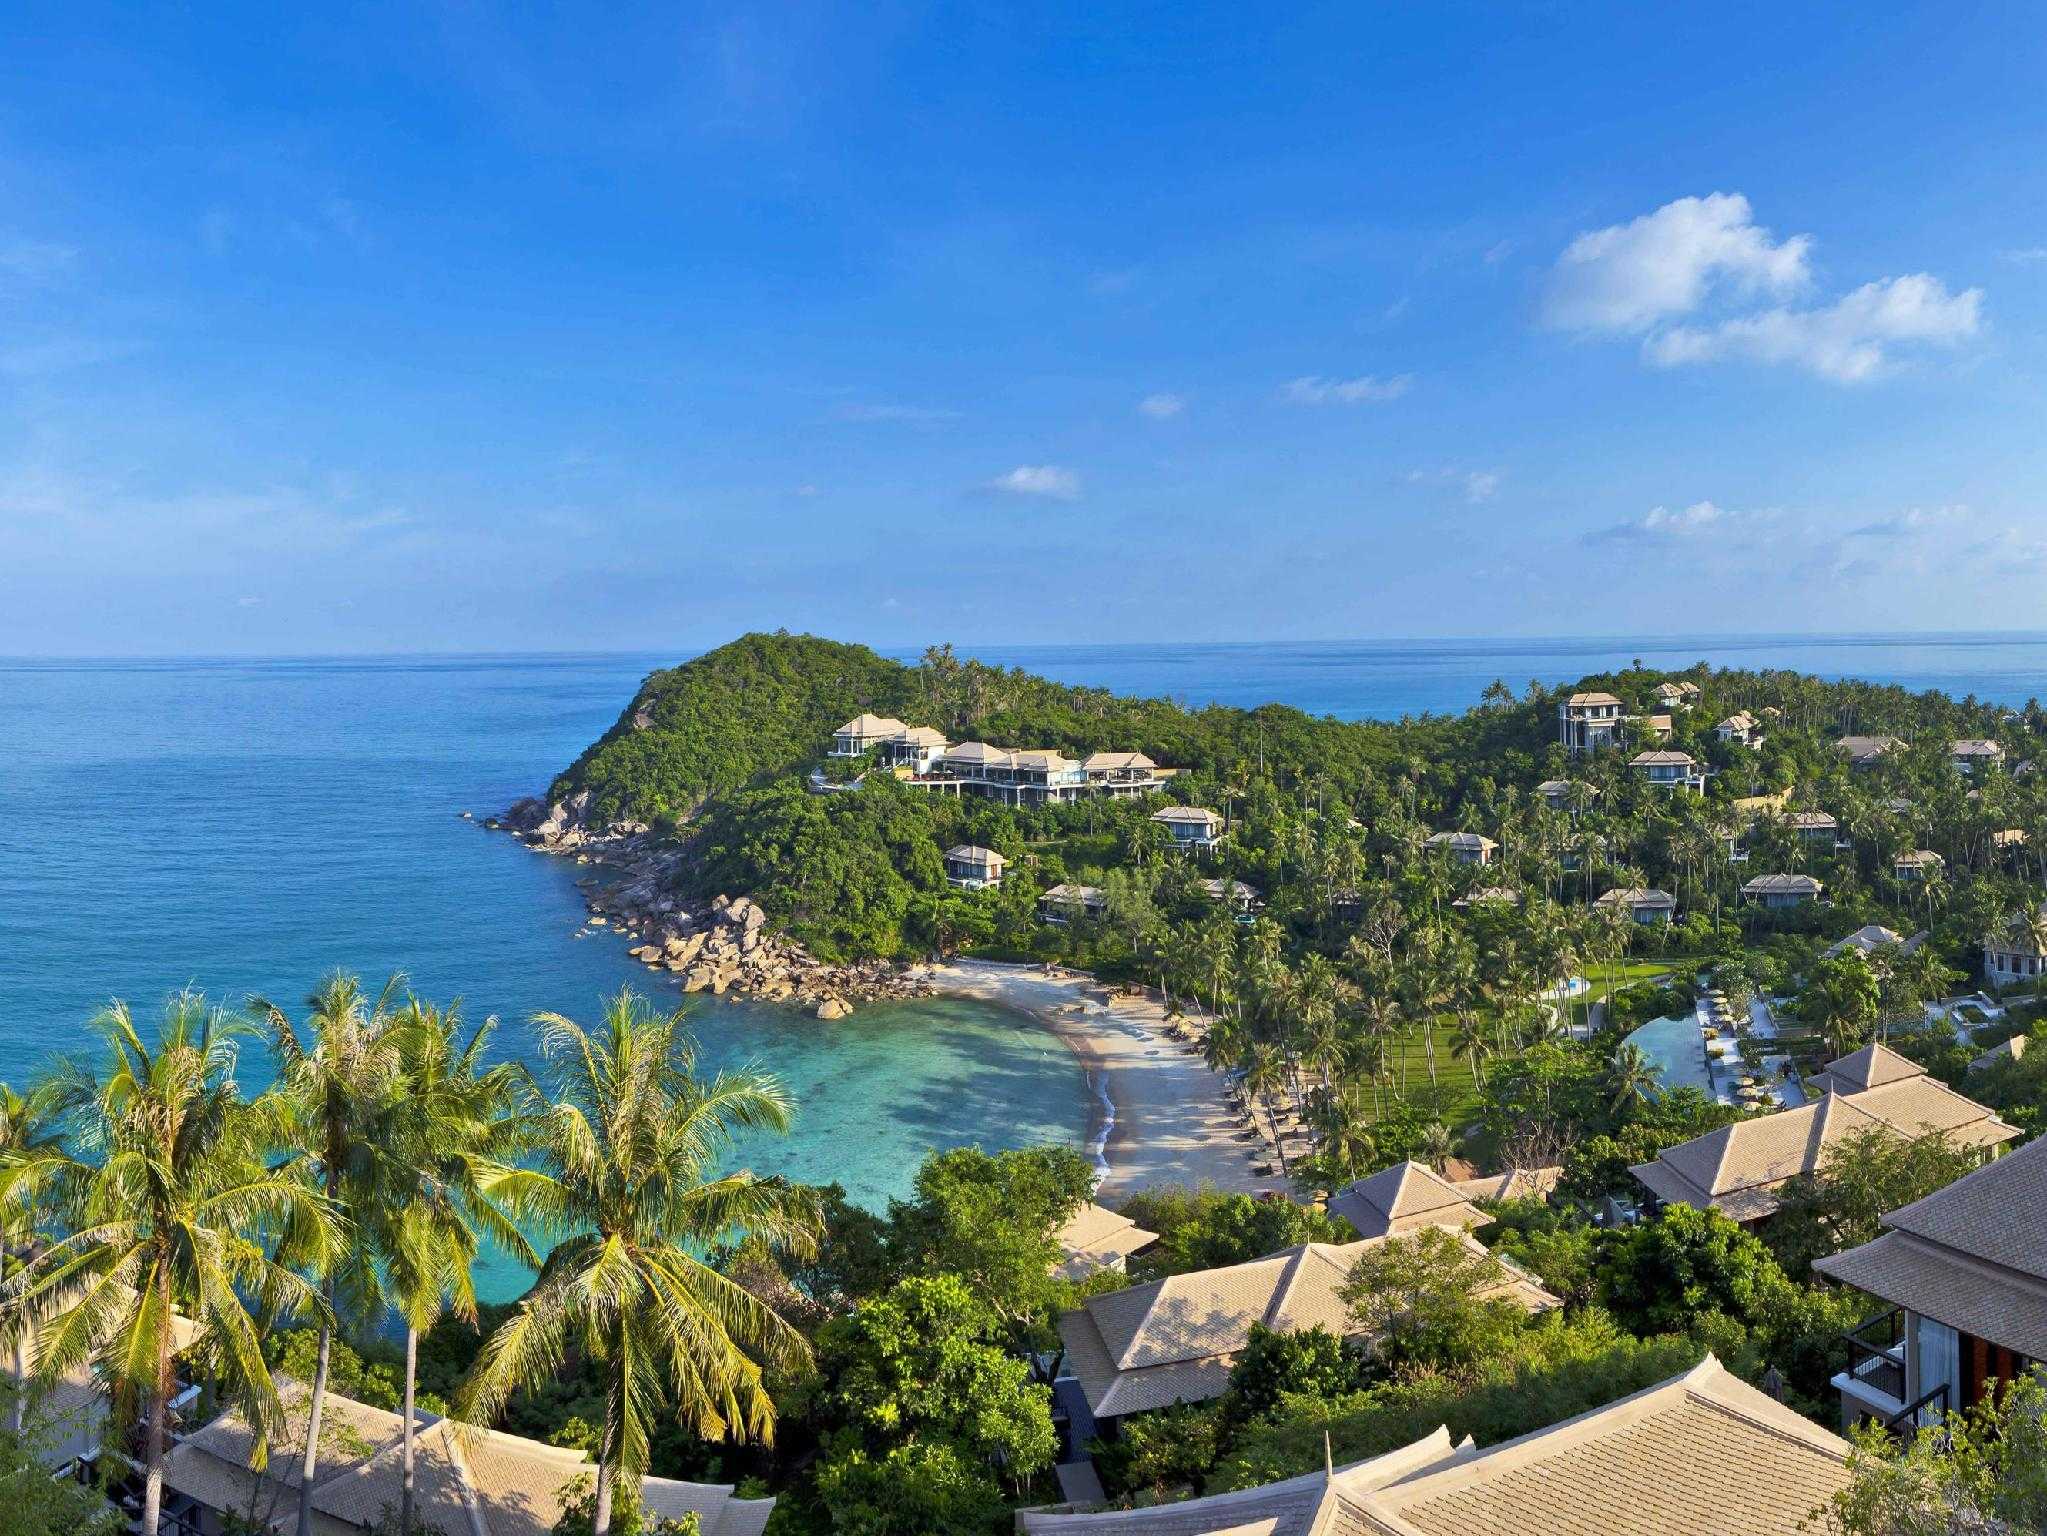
x=245 y=826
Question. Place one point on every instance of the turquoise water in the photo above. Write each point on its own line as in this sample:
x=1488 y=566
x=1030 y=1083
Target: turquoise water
x=1673 y=1045
x=243 y=826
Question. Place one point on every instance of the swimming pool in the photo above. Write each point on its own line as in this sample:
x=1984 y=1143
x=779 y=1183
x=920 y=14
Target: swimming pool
x=1673 y=1045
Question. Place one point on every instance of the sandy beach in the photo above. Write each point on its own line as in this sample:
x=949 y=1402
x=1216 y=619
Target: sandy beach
x=1170 y=1122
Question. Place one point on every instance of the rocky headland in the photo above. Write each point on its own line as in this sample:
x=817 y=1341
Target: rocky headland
x=722 y=946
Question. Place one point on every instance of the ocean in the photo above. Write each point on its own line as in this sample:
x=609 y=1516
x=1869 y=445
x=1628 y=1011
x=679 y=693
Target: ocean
x=245 y=826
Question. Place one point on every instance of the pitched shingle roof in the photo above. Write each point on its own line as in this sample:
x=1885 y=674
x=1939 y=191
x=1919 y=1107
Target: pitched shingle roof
x=1871 y=1067
x=871 y=725
x=1174 y=1340
x=1588 y=700
x=1095 y=1238
x=1401 y=1198
x=1782 y=885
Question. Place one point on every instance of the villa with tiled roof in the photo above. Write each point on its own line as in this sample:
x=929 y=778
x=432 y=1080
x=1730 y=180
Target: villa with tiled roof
x=1738 y=1169
x=1964 y=1272
x=1702 y=1454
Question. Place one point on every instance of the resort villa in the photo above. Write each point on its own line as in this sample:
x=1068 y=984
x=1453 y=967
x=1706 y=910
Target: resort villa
x=1963 y=1274
x=1669 y=770
x=1740 y=729
x=1486 y=895
x=1871 y=937
x=471 y=1482
x=1240 y=898
x=2017 y=953
x=1702 y=1454
x=1738 y=1169
x=1815 y=829
x=1972 y=755
x=1677 y=695
x=1398 y=1200
x=1588 y=721
x=973 y=868
x=1095 y=1238
x=1193 y=828
x=923 y=757
x=1063 y=903
x=1866 y=751
x=1464 y=847
x=1563 y=794
x=1780 y=892
x=1650 y=908
x=1174 y=1340
x=1918 y=864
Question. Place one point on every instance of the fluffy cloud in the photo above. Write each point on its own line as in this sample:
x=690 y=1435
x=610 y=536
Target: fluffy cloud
x=1662 y=524
x=1480 y=485
x=1910 y=523
x=1844 y=341
x=1047 y=480
x=1368 y=388
x=1627 y=277
x=1162 y=407
x=1649 y=278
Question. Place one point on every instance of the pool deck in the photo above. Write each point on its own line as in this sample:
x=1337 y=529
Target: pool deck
x=1685 y=1058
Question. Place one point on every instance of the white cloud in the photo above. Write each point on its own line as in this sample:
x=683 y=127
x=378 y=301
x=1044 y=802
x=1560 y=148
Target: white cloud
x=914 y=415
x=1910 y=523
x=1498 y=252
x=2025 y=255
x=1628 y=277
x=1844 y=341
x=1480 y=485
x=1047 y=480
x=1314 y=390
x=1661 y=524
x=1162 y=407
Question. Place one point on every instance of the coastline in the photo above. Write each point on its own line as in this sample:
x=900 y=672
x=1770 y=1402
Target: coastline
x=1164 y=1112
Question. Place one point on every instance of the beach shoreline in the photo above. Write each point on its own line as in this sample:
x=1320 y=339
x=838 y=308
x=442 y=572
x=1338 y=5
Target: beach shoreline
x=1166 y=1118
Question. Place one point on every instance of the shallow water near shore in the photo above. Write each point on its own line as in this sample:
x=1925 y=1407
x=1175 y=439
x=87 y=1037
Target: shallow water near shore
x=245 y=826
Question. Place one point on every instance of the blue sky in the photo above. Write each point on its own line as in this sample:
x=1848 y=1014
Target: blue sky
x=356 y=328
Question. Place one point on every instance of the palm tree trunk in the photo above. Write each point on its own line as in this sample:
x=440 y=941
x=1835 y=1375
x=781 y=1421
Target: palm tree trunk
x=405 y=1483
x=310 y=1459
x=17 y=1412
x=152 y=1479
x=600 y=1518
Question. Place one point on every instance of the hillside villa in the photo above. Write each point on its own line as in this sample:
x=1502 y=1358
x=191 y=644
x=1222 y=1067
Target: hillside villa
x=1815 y=828
x=974 y=868
x=1562 y=794
x=1193 y=828
x=1917 y=864
x=1738 y=1169
x=1971 y=755
x=921 y=756
x=468 y=1482
x=1647 y=907
x=1778 y=892
x=1464 y=847
x=1062 y=903
x=1588 y=721
x=1677 y=695
x=1240 y=898
x=2016 y=953
x=1410 y=1195
x=1740 y=729
x=1174 y=1340
x=1871 y=937
x=1963 y=1273
x=1702 y=1454
x=1669 y=770
x=1866 y=751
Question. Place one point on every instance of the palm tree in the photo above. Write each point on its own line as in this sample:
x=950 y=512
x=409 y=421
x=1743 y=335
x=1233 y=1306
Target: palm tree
x=631 y=1138
x=34 y=1173
x=458 y=1126
x=1437 y=1145
x=1471 y=1043
x=335 y=1087
x=170 y=1197
x=1630 y=1077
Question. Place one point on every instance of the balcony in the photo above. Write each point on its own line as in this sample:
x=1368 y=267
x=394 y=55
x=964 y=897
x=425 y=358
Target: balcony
x=1873 y=1386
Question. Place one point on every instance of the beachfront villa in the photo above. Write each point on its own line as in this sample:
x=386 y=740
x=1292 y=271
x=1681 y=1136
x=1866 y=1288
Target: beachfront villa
x=1464 y=847
x=1651 y=908
x=1781 y=892
x=1588 y=721
x=1174 y=1340
x=1669 y=770
x=1095 y=1238
x=471 y=1482
x=1740 y=729
x=1701 y=1454
x=1866 y=751
x=1963 y=1274
x=1972 y=755
x=1193 y=828
x=1738 y=1169
x=2017 y=953
x=1918 y=864
x=1063 y=903
x=973 y=868
x=1398 y=1200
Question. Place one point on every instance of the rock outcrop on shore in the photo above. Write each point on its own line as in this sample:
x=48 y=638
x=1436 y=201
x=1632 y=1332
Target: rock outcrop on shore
x=723 y=947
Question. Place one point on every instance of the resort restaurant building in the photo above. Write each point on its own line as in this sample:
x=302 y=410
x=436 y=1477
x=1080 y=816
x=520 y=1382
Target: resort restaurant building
x=1962 y=1279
